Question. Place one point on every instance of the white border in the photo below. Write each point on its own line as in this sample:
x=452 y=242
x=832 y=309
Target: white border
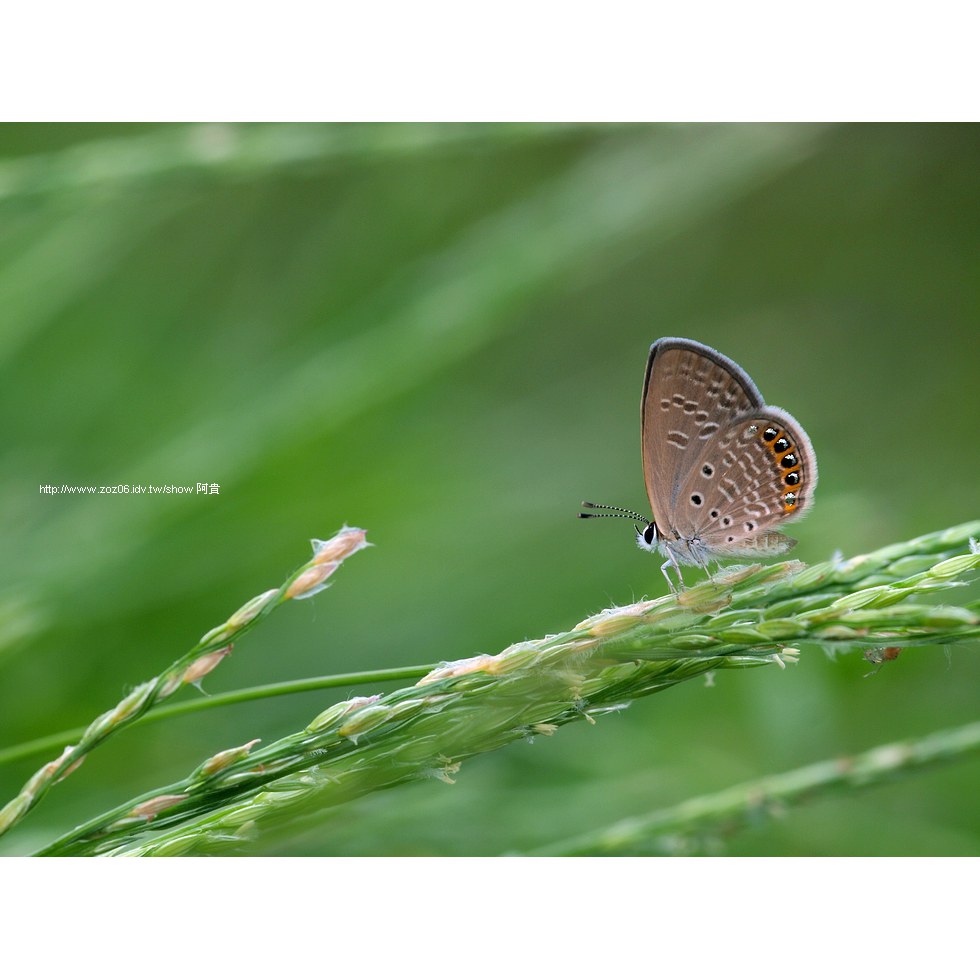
x=528 y=60
x=487 y=917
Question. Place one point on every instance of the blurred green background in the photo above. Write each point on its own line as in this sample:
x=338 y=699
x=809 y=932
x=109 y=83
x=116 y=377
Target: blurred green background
x=438 y=333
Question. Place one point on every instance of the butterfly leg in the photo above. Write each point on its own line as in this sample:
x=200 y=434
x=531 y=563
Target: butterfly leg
x=698 y=554
x=672 y=560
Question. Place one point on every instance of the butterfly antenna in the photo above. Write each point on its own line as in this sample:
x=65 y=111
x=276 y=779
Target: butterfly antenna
x=624 y=512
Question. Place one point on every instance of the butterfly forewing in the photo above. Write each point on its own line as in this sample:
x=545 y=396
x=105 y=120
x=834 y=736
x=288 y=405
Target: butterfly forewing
x=691 y=393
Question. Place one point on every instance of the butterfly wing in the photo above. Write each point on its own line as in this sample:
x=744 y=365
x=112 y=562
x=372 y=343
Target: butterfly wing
x=690 y=394
x=753 y=475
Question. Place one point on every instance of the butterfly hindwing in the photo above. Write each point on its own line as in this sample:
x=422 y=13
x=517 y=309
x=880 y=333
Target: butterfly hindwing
x=757 y=473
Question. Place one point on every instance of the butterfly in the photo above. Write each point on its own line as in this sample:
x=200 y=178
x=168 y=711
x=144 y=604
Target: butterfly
x=723 y=469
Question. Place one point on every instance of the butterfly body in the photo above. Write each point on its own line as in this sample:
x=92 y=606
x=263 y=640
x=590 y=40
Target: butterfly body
x=723 y=470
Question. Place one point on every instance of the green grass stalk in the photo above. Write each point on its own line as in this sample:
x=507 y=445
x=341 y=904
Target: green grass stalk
x=240 y=696
x=695 y=826
x=189 y=668
x=742 y=617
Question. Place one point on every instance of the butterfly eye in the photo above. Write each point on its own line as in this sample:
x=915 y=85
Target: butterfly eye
x=649 y=533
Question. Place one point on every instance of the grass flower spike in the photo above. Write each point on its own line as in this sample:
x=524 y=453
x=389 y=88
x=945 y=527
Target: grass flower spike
x=189 y=668
x=753 y=616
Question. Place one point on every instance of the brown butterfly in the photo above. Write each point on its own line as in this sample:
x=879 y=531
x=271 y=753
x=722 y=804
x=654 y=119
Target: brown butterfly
x=723 y=469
